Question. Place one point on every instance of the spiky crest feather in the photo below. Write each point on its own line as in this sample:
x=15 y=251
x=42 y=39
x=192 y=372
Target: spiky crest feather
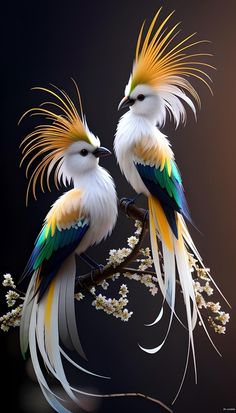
x=50 y=141
x=165 y=66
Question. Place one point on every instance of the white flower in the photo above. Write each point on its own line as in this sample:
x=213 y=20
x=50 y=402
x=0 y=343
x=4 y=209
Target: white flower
x=132 y=241
x=93 y=290
x=214 y=307
x=115 y=276
x=123 y=290
x=207 y=289
x=4 y=327
x=202 y=273
x=219 y=329
x=12 y=318
x=105 y=285
x=134 y=276
x=200 y=301
x=125 y=315
x=153 y=290
x=79 y=296
x=197 y=287
x=192 y=261
x=11 y=297
x=138 y=225
x=223 y=317
x=8 y=281
x=116 y=257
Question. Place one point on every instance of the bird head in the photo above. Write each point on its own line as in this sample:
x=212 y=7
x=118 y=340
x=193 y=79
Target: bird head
x=64 y=145
x=159 y=82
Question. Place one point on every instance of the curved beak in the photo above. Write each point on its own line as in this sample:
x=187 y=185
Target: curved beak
x=126 y=102
x=101 y=151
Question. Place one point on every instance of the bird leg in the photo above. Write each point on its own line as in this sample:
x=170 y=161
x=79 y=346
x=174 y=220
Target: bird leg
x=90 y=262
x=126 y=202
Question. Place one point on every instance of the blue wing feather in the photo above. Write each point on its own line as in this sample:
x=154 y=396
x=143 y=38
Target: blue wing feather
x=167 y=189
x=50 y=251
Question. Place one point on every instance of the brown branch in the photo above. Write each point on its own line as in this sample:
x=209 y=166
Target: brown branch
x=95 y=277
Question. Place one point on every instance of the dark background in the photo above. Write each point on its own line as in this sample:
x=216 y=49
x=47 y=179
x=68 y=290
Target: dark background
x=94 y=42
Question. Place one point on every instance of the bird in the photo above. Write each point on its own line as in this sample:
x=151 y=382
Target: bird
x=81 y=217
x=160 y=87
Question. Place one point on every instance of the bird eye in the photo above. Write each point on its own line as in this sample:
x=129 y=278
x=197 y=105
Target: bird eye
x=141 y=97
x=84 y=152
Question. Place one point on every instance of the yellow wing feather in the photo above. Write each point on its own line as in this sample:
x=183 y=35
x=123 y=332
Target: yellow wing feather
x=66 y=211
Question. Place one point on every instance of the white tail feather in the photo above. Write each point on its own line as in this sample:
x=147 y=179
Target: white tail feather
x=176 y=256
x=41 y=330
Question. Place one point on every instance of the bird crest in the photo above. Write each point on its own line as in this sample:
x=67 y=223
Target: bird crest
x=162 y=64
x=48 y=142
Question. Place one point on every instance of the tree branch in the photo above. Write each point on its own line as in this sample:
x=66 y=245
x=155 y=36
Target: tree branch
x=95 y=277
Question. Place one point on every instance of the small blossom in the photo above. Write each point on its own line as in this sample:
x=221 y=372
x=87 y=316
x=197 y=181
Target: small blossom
x=79 y=296
x=125 y=316
x=138 y=226
x=214 y=307
x=207 y=288
x=11 y=297
x=132 y=241
x=202 y=273
x=115 y=276
x=200 y=301
x=223 y=317
x=11 y=319
x=93 y=290
x=5 y=327
x=192 y=261
x=219 y=329
x=153 y=290
x=105 y=285
x=123 y=290
x=197 y=287
x=8 y=281
x=131 y=276
x=116 y=257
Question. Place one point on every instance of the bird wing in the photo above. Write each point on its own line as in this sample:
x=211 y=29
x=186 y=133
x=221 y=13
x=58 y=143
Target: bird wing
x=65 y=226
x=164 y=183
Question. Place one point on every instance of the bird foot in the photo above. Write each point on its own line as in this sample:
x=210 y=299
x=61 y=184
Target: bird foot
x=127 y=202
x=96 y=271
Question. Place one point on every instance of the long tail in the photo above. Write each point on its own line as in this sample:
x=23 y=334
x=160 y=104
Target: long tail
x=175 y=255
x=47 y=325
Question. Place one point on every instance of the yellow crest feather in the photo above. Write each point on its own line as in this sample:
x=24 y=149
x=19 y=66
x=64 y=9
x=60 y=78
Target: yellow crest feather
x=50 y=141
x=159 y=62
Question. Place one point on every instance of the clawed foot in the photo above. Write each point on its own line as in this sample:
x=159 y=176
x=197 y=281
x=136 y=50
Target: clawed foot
x=127 y=202
x=96 y=271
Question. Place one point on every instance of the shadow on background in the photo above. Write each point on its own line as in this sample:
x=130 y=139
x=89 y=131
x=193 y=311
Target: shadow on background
x=94 y=42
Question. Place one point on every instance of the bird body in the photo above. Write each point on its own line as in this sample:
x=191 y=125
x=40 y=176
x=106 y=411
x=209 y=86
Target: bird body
x=138 y=141
x=80 y=218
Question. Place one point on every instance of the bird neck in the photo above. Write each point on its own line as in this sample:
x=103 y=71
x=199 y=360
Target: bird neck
x=88 y=179
x=132 y=128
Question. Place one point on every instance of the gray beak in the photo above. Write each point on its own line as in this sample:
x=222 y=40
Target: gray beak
x=101 y=151
x=126 y=102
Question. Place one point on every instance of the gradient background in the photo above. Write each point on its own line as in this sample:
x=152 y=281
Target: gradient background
x=94 y=42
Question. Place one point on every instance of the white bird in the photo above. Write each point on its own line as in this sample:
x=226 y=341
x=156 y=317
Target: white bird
x=83 y=216
x=159 y=86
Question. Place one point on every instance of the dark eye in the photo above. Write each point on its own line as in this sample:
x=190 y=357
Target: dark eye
x=84 y=152
x=141 y=97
